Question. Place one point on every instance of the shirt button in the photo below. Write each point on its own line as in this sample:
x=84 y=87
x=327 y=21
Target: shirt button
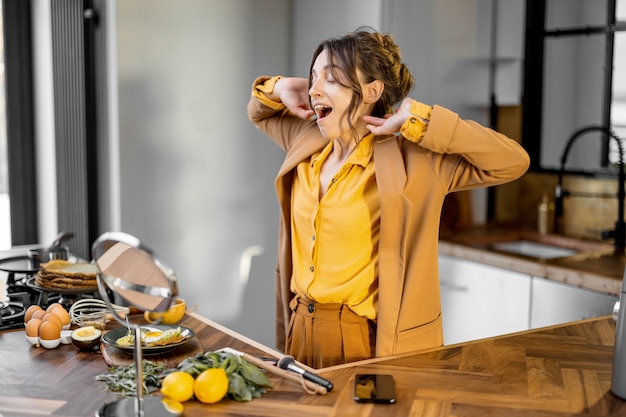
x=313 y=237
x=311 y=307
x=312 y=268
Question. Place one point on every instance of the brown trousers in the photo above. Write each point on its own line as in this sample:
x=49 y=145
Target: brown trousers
x=322 y=335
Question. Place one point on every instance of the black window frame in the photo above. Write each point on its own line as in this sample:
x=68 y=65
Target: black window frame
x=533 y=83
x=20 y=121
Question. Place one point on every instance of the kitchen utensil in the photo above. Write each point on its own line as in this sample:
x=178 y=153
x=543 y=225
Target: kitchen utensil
x=42 y=255
x=39 y=256
x=61 y=238
x=89 y=303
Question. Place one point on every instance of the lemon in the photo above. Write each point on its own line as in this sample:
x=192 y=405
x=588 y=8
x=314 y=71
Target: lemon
x=172 y=406
x=172 y=316
x=211 y=385
x=178 y=386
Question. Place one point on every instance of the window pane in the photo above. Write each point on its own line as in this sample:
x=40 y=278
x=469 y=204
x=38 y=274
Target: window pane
x=572 y=99
x=575 y=13
x=5 y=223
x=620 y=12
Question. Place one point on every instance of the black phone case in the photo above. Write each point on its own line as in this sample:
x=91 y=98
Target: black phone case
x=374 y=388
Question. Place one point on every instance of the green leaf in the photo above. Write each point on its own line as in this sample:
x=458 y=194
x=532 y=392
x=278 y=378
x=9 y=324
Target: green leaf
x=238 y=389
x=254 y=375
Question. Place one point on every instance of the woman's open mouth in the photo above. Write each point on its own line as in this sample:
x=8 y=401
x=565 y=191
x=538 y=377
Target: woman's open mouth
x=322 y=111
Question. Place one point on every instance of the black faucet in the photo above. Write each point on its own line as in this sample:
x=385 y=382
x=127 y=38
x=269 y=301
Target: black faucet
x=619 y=234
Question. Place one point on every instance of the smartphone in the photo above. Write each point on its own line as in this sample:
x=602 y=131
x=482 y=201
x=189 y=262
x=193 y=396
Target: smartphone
x=374 y=388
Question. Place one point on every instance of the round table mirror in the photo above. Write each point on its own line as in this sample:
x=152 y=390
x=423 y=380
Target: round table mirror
x=130 y=274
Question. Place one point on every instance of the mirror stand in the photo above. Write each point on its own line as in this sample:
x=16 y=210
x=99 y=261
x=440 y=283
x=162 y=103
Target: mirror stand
x=128 y=270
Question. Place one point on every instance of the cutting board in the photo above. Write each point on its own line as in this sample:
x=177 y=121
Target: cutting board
x=117 y=357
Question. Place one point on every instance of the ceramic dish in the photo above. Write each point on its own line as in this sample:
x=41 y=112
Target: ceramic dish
x=110 y=338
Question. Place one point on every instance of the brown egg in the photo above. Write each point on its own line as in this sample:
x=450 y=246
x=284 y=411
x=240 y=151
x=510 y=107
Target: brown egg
x=62 y=314
x=53 y=318
x=29 y=312
x=52 y=307
x=49 y=331
x=32 y=327
x=38 y=314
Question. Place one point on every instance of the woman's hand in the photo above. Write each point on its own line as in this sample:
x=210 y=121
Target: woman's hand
x=391 y=123
x=294 y=94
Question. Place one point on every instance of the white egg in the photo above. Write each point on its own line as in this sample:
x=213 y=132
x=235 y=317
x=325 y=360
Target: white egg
x=150 y=335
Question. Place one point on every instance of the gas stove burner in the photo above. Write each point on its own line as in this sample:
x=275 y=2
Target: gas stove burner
x=11 y=315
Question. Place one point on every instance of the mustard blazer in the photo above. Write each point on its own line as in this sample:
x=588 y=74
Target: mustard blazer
x=413 y=181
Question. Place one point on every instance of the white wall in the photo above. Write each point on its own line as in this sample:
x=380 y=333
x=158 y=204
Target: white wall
x=197 y=179
x=315 y=21
x=44 y=119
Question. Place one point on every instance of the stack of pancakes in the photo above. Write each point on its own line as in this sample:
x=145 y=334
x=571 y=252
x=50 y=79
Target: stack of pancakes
x=59 y=273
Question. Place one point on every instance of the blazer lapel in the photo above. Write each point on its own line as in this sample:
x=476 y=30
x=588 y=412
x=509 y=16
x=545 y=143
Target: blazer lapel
x=301 y=150
x=391 y=178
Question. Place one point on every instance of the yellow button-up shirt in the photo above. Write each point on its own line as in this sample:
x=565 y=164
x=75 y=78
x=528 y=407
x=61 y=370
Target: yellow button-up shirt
x=335 y=238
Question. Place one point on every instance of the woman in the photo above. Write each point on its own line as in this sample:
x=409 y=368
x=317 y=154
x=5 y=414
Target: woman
x=361 y=191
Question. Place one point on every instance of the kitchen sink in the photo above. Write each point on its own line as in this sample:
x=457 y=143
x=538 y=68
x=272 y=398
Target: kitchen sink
x=549 y=247
x=528 y=244
x=534 y=249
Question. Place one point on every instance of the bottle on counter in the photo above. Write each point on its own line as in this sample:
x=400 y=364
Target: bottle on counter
x=545 y=215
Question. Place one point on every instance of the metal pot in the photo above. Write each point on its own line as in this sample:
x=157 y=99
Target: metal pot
x=42 y=255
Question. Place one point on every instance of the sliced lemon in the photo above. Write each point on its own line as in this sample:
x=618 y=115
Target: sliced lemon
x=173 y=406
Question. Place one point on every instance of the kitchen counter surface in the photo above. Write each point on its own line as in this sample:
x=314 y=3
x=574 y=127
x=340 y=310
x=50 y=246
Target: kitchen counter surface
x=595 y=266
x=556 y=371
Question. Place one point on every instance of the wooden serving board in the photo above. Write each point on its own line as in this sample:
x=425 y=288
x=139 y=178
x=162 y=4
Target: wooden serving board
x=117 y=357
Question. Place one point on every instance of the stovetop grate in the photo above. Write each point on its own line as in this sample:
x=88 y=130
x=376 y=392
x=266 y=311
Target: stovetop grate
x=11 y=315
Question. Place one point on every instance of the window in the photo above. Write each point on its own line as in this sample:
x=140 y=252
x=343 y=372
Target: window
x=575 y=76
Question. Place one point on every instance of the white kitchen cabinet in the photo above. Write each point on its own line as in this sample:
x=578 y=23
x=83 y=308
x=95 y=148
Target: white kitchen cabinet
x=481 y=301
x=554 y=303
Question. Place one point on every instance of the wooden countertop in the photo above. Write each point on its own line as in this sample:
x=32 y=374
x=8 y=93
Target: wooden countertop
x=596 y=267
x=556 y=371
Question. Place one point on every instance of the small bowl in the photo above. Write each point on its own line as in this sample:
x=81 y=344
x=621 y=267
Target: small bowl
x=95 y=317
x=50 y=344
x=33 y=340
x=172 y=315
